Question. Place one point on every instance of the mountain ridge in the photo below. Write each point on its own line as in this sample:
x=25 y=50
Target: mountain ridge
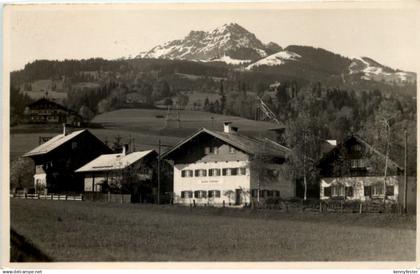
x=234 y=45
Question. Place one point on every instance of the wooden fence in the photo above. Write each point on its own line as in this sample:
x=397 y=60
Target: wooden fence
x=57 y=197
x=88 y=196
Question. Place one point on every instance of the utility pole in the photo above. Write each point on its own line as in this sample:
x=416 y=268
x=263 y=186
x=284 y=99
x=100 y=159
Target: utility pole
x=405 y=171
x=386 y=156
x=158 y=175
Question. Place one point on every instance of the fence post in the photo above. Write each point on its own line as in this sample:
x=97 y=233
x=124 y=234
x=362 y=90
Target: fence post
x=320 y=207
x=360 y=207
x=223 y=203
x=194 y=202
x=341 y=204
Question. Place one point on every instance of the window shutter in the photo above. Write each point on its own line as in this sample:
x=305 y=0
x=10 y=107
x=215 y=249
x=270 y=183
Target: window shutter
x=196 y=194
x=204 y=194
x=217 y=193
x=182 y=194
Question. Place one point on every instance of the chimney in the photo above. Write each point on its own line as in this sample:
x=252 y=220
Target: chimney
x=64 y=129
x=226 y=127
x=234 y=129
x=124 y=149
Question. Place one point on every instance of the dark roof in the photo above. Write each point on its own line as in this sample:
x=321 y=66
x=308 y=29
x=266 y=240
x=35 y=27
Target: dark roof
x=366 y=144
x=247 y=144
x=44 y=101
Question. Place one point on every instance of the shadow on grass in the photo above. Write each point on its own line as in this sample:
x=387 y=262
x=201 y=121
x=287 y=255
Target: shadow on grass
x=21 y=250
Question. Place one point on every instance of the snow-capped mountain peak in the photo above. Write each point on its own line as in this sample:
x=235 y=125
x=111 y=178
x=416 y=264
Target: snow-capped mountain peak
x=225 y=43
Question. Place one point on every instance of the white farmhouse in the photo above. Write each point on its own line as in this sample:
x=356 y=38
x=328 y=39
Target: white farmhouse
x=213 y=167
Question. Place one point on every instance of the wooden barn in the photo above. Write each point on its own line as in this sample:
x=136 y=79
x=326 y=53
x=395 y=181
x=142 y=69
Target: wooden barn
x=226 y=167
x=45 y=111
x=354 y=170
x=58 y=158
x=129 y=173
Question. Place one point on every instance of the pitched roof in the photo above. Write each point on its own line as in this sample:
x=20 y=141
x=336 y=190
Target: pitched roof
x=53 y=143
x=116 y=161
x=44 y=100
x=360 y=140
x=247 y=144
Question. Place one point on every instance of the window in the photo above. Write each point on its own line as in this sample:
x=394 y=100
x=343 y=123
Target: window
x=254 y=193
x=367 y=191
x=187 y=173
x=357 y=147
x=242 y=171
x=200 y=194
x=214 y=194
x=327 y=191
x=276 y=193
x=231 y=149
x=200 y=173
x=269 y=193
x=234 y=171
x=226 y=171
x=186 y=194
x=214 y=172
x=389 y=190
x=357 y=163
x=263 y=193
x=338 y=190
x=378 y=189
x=349 y=191
x=73 y=145
x=211 y=150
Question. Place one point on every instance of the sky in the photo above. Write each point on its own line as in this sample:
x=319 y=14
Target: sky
x=389 y=36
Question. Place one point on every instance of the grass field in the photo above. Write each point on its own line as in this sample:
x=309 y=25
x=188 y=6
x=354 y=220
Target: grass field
x=141 y=124
x=88 y=231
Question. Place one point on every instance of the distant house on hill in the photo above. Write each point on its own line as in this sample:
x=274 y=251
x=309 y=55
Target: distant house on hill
x=46 y=111
x=213 y=167
x=353 y=169
x=58 y=158
x=131 y=173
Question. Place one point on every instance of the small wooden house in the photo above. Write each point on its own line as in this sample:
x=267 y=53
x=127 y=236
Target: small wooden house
x=355 y=170
x=46 y=111
x=214 y=167
x=130 y=173
x=58 y=158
